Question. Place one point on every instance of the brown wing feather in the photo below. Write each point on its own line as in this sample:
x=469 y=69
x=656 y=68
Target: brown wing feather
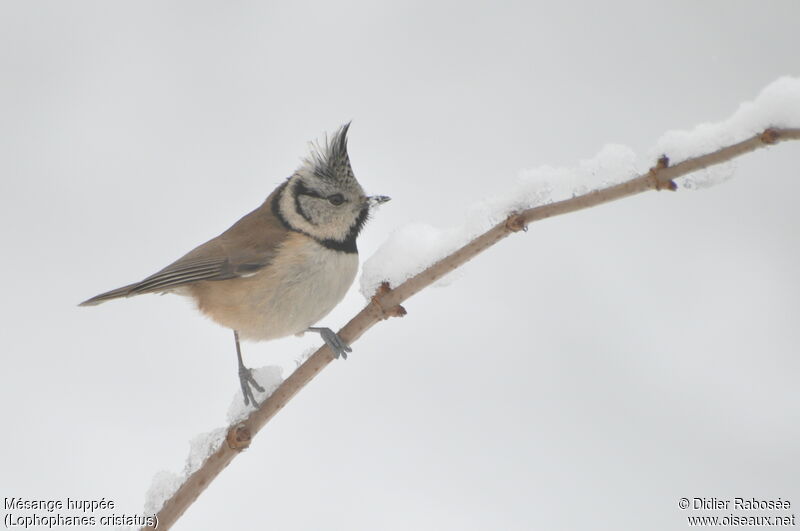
x=249 y=245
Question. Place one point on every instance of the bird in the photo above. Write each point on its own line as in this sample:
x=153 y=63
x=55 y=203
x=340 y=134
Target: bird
x=284 y=266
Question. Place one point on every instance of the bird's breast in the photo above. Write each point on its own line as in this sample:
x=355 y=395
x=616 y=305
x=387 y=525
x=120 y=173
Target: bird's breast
x=301 y=285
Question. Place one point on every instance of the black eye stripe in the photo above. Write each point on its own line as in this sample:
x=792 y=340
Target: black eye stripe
x=301 y=189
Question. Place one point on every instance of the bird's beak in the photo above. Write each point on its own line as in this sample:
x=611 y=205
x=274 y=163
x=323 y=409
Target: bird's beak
x=375 y=200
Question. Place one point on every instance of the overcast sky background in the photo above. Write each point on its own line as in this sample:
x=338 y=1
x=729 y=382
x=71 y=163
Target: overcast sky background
x=584 y=375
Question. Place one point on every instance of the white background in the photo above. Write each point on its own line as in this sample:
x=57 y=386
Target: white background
x=584 y=375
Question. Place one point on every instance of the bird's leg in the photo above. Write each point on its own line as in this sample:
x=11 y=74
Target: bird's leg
x=246 y=378
x=331 y=338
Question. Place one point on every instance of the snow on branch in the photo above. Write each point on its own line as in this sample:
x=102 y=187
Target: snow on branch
x=412 y=248
x=391 y=277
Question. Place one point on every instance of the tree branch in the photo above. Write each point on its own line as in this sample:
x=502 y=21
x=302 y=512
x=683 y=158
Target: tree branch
x=386 y=302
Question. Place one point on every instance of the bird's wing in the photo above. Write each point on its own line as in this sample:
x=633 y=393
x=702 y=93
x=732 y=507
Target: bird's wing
x=242 y=250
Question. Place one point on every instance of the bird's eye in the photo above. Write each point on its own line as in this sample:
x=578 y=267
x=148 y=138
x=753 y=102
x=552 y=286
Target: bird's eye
x=336 y=199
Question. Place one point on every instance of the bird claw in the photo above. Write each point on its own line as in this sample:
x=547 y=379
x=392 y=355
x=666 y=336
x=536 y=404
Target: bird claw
x=248 y=383
x=332 y=339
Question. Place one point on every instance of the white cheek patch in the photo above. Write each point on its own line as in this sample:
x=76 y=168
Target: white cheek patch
x=336 y=229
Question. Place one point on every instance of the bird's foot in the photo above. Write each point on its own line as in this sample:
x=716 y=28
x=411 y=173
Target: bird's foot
x=248 y=383
x=332 y=339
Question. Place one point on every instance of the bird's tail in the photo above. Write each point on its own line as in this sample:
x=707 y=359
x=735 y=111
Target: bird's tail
x=125 y=291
